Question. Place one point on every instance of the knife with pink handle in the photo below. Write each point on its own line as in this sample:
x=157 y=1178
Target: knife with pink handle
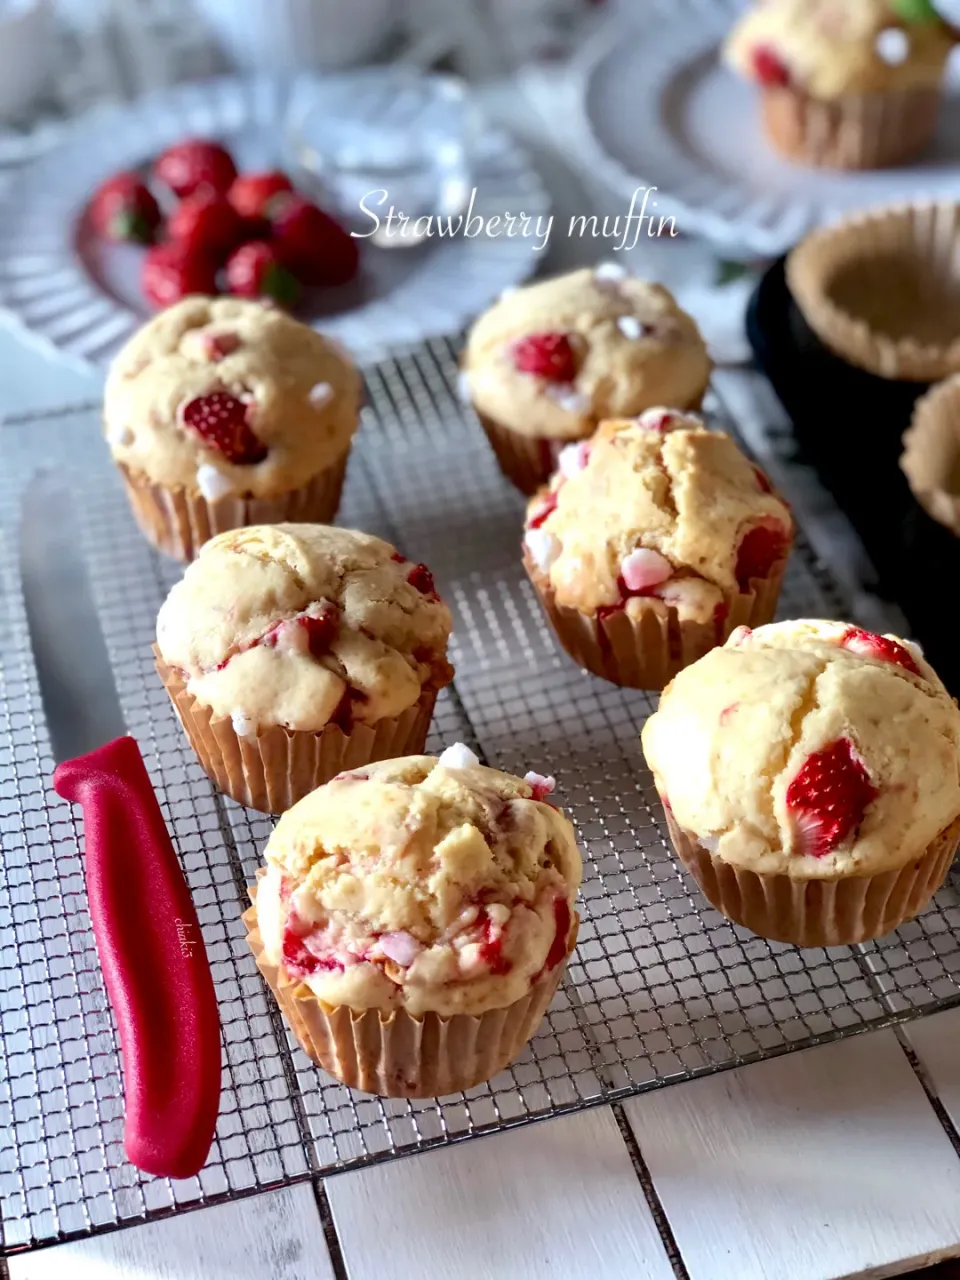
x=144 y=923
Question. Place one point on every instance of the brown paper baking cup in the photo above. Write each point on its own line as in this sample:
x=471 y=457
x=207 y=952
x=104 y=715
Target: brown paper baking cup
x=529 y=461
x=817 y=913
x=278 y=767
x=647 y=651
x=931 y=453
x=881 y=289
x=178 y=523
x=399 y=1056
x=858 y=131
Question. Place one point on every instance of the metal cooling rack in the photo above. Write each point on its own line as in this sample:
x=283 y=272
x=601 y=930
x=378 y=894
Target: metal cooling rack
x=660 y=989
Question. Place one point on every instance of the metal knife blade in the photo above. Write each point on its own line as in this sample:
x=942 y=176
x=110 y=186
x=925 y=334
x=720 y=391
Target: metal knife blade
x=76 y=680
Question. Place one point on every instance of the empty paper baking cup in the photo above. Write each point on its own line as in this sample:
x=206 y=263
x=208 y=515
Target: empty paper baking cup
x=882 y=290
x=931 y=453
x=397 y=1055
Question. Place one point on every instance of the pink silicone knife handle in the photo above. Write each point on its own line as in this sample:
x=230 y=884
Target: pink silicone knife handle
x=153 y=961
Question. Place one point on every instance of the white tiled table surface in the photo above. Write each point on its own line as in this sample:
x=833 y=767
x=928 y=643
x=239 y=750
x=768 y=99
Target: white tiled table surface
x=826 y=1163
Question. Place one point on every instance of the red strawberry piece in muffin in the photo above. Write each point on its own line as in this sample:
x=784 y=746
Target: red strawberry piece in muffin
x=222 y=421
x=828 y=798
x=547 y=355
x=883 y=647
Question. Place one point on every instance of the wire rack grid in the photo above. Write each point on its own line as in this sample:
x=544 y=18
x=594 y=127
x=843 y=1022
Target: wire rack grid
x=661 y=987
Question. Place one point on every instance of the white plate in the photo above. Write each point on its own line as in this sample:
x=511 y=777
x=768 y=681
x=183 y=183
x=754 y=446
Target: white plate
x=81 y=297
x=659 y=109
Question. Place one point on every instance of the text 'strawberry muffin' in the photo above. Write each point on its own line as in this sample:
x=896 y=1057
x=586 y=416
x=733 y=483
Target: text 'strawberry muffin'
x=222 y=412
x=414 y=920
x=548 y=362
x=291 y=652
x=852 y=85
x=810 y=774
x=652 y=542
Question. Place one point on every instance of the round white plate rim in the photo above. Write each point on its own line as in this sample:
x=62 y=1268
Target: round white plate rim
x=670 y=45
x=460 y=278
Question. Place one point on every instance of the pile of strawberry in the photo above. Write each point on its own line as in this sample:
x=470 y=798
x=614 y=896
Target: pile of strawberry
x=249 y=234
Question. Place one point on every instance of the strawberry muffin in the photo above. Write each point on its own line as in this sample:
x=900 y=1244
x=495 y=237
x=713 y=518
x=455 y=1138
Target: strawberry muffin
x=414 y=920
x=292 y=651
x=652 y=542
x=548 y=362
x=852 y=85
x=810 y=774
x=223 y=412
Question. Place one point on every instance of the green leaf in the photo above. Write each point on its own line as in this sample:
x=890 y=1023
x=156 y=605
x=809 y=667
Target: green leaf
x=915 y=11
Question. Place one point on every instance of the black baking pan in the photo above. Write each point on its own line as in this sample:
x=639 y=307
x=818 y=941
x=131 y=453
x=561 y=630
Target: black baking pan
x=848 y=425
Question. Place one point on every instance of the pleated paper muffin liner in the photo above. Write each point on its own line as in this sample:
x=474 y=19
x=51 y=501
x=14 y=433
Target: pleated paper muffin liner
x=178 y=523
x=274 y=769
x=647 y=651
x=931 y=453
x=398 y=1055
x=857 y=131
x=528 y=462
x=817 y=913
x=881 y=289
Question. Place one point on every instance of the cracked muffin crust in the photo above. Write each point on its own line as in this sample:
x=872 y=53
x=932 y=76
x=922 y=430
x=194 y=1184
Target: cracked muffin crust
x=302 y=626
x=811 y=750
x=221 y=396
x=421 y=884
x=655 y=512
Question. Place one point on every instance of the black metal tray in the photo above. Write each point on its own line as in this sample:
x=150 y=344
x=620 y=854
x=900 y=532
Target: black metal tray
x=848 y=425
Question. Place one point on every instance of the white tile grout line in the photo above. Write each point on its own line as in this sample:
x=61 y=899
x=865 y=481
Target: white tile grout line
x=329 y=1230
x=927 y=1084
x=660 y=1220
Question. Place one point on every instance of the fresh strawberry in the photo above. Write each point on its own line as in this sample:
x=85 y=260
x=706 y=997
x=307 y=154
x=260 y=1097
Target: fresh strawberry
x=222 y=423
x=760 y=549
x=255 y=271
x=873 y=646
x=769 y=68
x=195 y=163
x=252 y=194
x=828 y=798
x=206 y=223
x=122 y=208
x=172 y=271
x=312 y=244
x=421 y=578
x=548 y=355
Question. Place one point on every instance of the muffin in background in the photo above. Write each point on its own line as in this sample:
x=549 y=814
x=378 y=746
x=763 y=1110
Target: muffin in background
x=851 y=85
x=549 y=361
x=810 y=776
x=414 y=920
x=653 y=541
x=222 y=412
x=291 y=652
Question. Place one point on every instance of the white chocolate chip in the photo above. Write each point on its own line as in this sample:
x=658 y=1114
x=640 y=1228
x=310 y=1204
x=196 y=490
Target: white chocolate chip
x=630 y=327
x=914 y=649
x=463 y=387
x=213 y=484
x=892 y=46
x=120 y=437
x=243 y=725
x=400 y=947
x=710 y=843
x=572 y=458
x=609 y=273
x=644 y=568
x=321 y=393
x=568 y=398
x=458 y=756
x=543 y=547
x=543 y=784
